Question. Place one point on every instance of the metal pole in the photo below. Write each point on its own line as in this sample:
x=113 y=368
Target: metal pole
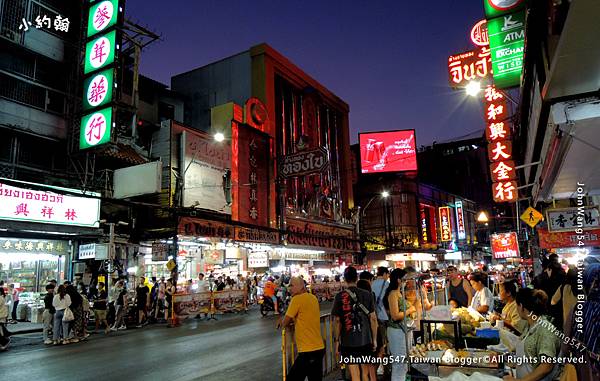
x=111 y=249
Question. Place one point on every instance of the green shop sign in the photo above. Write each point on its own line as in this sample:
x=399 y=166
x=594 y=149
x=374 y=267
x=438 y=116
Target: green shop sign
x=102 y=16
x=95 y=128
x=98 y=89
x=496 y=8
x=507 y=44
x=100 y=52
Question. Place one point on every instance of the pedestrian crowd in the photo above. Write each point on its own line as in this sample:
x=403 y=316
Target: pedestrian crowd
x=377 y=315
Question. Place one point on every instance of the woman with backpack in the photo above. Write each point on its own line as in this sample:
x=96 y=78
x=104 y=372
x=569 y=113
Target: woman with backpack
x=397 y=311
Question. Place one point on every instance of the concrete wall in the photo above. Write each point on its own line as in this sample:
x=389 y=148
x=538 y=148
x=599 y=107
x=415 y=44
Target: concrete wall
x=30 y=119
x=228 y=80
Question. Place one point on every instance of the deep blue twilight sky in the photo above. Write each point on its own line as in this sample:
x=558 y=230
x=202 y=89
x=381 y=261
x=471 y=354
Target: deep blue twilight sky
x=385 y=58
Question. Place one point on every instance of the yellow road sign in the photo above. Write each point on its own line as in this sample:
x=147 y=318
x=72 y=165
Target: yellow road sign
x=532 y=217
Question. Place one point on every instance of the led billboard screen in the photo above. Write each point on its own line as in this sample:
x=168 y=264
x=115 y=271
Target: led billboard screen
x=388 y=151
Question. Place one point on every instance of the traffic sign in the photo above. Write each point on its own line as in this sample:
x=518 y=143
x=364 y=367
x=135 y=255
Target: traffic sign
x=532 y=217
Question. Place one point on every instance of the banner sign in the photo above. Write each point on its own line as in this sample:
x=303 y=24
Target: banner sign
x=100 y=52
x=569 y=219
x=507 y=43
x=204 y=228
x=323 y=236
x=206 y=162
x=445 y=227
x=160 y=251
x=34 y=246
x=186 y=305
x=304 y=163
x=27 y=205
x=229 y=301
x=479 y=34
x=505 y=245
x=98 y=89
x=259 y=259
x=93 y=251
x=549 y=240
x=468 y=66
x=102 y=16
x=460 y=220
x=95 y=128
x=256 y=235
x=388 y=151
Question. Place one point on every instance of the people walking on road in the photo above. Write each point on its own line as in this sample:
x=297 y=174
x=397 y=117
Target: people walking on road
x=270 y=292
x=14 y=293
x=100 y=308
x=60 y=330
x=355 y=324
x=85 y=307
x=304 y=312
x=4 y=334
x=160 y=299
x=48 y=314
x=120 y=307
x=169 y=291
x=399 y=314
x=379 y=287
x=142 y=297
x=76 y=326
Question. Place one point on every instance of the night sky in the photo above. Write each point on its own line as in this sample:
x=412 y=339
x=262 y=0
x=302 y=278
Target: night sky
x=385 y=58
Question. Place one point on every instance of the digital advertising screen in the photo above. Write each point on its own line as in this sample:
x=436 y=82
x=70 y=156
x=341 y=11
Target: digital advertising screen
x=388 y=151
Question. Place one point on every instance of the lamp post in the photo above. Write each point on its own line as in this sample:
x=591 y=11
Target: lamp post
x=111 y=247
x=383 y=195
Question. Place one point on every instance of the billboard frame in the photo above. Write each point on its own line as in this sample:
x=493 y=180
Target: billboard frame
x=414 y=131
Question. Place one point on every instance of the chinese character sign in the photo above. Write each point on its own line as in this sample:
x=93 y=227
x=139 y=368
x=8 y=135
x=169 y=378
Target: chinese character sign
x=21 y=204
x=468 y=66
x=460 y=221
x=505 y=245
x=424 y=227
x=585 y=217
x=505 y=191
x=95 y=128
x=102 y=16
x=98 y=89
x=503 y=171
x=445 y=224
x=500 y=151
x=100 y=52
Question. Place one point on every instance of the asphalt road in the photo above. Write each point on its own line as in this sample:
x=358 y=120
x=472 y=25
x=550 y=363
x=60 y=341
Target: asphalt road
x=237 y=347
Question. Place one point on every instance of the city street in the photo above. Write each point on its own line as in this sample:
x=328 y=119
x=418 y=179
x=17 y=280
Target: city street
x=236 y=347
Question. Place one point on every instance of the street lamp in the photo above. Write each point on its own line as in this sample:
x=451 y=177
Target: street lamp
x=385 y=194
x=473 y=88
x=219 y=136
x=482 y=217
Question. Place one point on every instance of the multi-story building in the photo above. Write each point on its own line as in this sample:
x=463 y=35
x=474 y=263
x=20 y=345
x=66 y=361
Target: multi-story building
x=305 y=191
x=405 y=220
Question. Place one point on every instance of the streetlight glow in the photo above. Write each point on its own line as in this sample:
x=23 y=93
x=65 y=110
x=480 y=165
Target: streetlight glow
x=219 y=137
x=473 y=88
x=482 y=217
x=385 y=194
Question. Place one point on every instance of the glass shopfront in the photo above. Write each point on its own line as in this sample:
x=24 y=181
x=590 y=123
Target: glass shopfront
x=31 y=263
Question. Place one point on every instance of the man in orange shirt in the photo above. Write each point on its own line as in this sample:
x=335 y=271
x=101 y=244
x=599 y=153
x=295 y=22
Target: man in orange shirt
x=269 y=292
x=304 y=311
